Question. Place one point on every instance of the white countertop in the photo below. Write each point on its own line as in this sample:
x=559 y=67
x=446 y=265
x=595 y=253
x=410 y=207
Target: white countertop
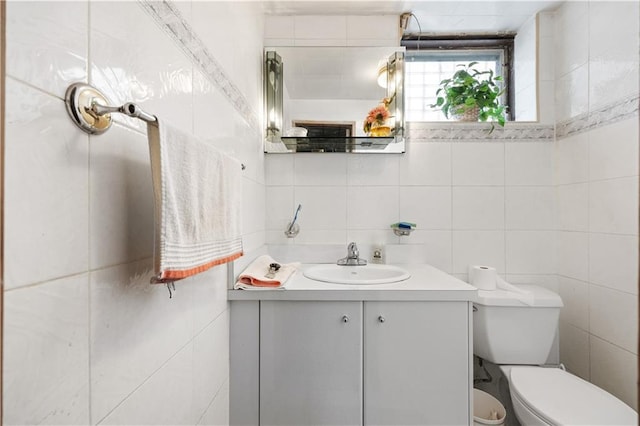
x=426 y=284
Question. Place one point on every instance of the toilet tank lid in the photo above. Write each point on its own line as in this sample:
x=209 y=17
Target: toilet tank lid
x=561 y=398
x=532 y=295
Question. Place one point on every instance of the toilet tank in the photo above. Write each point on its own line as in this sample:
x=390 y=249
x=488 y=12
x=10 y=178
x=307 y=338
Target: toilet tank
x=515 y=327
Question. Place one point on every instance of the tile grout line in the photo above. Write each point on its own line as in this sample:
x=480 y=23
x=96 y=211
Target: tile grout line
x=504 y=203
x=586 y=130
x=212 y=401
x=89 y=251
x=451 y=239
x=153 y=373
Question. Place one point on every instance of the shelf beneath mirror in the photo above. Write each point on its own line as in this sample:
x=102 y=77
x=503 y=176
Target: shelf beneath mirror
x=323 y=144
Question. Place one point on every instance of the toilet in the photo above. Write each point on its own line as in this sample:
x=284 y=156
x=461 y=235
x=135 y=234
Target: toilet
x=516 y=331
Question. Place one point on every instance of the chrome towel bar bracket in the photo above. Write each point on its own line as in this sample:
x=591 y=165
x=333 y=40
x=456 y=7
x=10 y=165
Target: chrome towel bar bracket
x=90 y=110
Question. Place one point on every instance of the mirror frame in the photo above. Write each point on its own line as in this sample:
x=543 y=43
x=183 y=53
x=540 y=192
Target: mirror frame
x=276 y=142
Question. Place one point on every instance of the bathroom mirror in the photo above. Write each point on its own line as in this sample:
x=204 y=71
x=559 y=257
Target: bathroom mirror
x=318 y=98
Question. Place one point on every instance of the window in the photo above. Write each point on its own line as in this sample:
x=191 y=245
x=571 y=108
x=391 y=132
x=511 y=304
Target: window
x=431 y=60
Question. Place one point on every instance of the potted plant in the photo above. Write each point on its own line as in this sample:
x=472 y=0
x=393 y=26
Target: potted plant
x=471 y=95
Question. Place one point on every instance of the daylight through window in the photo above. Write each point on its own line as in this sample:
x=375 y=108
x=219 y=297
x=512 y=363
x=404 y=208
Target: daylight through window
x=430 y=61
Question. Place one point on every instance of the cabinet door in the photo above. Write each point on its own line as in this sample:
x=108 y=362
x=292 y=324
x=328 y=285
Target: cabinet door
x=310 y=363
x=416 y=363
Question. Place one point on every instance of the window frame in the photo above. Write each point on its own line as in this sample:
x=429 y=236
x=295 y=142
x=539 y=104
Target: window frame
x=504 y=42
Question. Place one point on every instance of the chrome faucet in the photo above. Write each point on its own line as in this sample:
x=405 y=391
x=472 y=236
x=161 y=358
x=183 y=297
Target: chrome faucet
x=353 y=257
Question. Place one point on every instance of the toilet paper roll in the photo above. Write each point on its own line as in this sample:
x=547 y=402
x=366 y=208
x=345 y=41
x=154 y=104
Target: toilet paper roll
x=483 y=277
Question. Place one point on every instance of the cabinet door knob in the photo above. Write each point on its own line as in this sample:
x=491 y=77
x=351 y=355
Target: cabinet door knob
x=381 y=318
x=345 y=318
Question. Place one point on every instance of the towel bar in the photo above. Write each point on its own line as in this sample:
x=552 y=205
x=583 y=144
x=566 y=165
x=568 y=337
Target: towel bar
x=89 y=109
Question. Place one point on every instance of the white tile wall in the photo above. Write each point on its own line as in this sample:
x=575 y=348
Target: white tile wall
x=46 y=379
x=613 y=206
x=426 y=164
x=454 y=191
x=314 y=170
x=121 y=200
x=571 y=30
x=332 y=30
x=613 y=150
x=530 y=252
x=575 y=350
x=436 y=247
x=478 y=248
x=46 y=44
x=575 y=296
x=478 y=163
x=597 y=178
x=573 y=207
x=525 y=67
x=323 y=207
x=572 y=93
x=218 y=412
x=573 y=255
x=480 y=207
x=528 y=163
x=168 y=394
x=163 y=325
x=382 y=170
x=618 y=326
x=620 y=251
x=430 y=206
x=87 y=339
x=372 y=207
x=530 y=207
x=46 y=175
x=613 y=58
x=572 y=160
x=320 y=27
x=614 y=369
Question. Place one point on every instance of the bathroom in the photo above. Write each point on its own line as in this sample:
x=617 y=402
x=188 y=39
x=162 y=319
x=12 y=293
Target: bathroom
x=87 y=339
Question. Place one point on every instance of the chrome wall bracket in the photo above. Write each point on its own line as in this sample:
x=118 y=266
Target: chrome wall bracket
x=89 y=109
x=80 y=99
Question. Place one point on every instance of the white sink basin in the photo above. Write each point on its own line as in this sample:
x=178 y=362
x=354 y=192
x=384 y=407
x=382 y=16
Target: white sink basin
x=357 y=275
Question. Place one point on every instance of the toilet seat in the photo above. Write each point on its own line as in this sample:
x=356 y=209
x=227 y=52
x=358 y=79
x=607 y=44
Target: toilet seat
x=560 y=398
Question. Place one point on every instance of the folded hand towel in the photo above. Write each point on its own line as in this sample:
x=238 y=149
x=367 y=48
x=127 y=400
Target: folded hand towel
x=198 y=195
x=255 y=277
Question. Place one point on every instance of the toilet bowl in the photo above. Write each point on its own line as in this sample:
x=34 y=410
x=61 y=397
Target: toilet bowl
x=517 y=333
x=552 y=396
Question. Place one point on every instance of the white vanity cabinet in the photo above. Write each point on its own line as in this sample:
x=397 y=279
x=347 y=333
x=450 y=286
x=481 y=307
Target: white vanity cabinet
x=310 y=363
x=416 y=363
x=350 y=363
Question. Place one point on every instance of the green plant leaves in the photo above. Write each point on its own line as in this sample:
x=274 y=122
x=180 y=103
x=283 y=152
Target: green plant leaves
x=469 y=88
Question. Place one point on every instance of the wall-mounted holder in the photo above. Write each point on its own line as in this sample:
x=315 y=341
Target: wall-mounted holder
x=89 y=109
x=293 y=229
x=402 y=232
x=403 y=229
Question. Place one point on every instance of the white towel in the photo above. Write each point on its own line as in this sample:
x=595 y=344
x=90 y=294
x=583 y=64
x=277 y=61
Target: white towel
x=198 y=195
x=254 y=277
